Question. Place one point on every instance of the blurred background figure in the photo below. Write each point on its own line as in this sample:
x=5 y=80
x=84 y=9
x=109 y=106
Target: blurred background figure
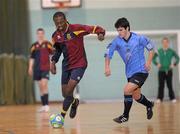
x=39 y=66
x=165 y=65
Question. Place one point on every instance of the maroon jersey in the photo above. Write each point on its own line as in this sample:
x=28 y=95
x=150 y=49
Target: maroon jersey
x=40 y=53
x=71 y=44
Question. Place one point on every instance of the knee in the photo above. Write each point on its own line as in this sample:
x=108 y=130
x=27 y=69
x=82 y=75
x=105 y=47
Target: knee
x=127 y=91
x=136 y=96
x=44 y=86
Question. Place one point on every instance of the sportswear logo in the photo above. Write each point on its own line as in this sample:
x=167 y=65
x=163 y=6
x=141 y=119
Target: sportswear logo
x=136 y=81
x=58 y=36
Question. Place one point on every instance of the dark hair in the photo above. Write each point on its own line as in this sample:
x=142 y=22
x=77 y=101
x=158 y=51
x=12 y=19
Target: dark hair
x=57 y=14
x=165 y=38
x=122 y=22
x=40 y=29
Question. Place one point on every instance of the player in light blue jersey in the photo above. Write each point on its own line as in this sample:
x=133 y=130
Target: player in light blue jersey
x=130 y=47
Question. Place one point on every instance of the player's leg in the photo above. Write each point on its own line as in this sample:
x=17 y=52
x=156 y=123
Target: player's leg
x=37 y=77
x=44 y=84
x=44 y=89
x=76 y=75
x=170 y=87
x=68 y=86
x=42 y=109
x=140 y=98
x=161 y=81
x=128 y=100
x=67 y=91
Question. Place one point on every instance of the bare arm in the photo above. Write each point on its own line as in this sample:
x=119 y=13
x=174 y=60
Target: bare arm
x=31 y=64
x=107 y=67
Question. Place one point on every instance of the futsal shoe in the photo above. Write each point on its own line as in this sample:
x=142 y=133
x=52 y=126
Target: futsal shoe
x=46 y=108
x=158 y=101
x=42 y=109
x=174 y=101
x=150 y=111
x=74 y=107
x=121 y=119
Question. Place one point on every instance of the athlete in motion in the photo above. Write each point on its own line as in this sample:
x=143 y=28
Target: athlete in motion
x=130 y=47
x=68 y=39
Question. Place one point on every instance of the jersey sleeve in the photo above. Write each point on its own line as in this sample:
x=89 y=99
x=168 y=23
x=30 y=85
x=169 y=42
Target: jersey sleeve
x=110 y=50
x=57 y=52
x=50 y=48
x=32 y=52
x=147 y=43
x=86 y=29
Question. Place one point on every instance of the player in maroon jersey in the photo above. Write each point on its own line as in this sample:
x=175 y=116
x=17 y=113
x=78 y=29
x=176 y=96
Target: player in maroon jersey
x=39 y=66
x=68 y=39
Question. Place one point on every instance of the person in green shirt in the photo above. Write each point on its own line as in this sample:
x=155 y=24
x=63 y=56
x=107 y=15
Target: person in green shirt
x=165 y=64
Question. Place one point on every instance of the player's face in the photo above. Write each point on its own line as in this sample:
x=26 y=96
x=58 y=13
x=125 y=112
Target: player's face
x=60 y=23
x=122 y=32
x=40 y=35
x=165 y=44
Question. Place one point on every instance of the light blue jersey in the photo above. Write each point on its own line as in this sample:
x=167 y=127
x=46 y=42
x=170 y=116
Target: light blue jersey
x=131 y=52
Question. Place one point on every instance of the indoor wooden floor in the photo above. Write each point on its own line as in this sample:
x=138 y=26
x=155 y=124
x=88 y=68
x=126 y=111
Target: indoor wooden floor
x=95 y=118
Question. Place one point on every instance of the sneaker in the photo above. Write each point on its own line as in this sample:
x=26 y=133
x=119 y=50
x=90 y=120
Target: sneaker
x=74 y=107
x=174 y=101
x=121 y=119
x=158 y=101
x=150 y=111
x=42 y=109
x=46 y=108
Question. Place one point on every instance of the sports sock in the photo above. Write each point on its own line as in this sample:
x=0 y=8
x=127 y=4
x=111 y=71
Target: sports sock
x=144 y=101
x=66 y=104
x=127 y=105
x=46 y=99
x=42 y=100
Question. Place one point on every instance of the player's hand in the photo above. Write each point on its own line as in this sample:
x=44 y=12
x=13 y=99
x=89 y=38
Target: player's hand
x=158 y=65
x=100 y=37
x=148 y=66
x=107 y=72
x=30 y=71
x=53 y=68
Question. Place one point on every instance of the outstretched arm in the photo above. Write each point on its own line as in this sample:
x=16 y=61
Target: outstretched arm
x=85 y=30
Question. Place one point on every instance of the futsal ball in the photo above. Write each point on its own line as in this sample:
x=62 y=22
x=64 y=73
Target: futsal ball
x=56 y=120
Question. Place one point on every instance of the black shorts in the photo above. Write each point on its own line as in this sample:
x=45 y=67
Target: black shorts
x=38 y=75
x=74 y=74
x=138 y=79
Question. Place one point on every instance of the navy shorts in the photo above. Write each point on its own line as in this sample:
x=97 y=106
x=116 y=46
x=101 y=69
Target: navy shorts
x=138 y=79
x=38 y=75
x=74 y=74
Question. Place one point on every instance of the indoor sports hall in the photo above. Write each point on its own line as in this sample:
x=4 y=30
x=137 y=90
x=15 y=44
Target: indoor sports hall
x=26 y=109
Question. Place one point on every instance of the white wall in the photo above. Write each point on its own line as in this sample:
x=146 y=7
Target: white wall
x=90 y=4
x=96 y=4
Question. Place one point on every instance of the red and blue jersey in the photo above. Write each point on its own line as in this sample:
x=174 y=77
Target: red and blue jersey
x=71 y=44
x=41 y=53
